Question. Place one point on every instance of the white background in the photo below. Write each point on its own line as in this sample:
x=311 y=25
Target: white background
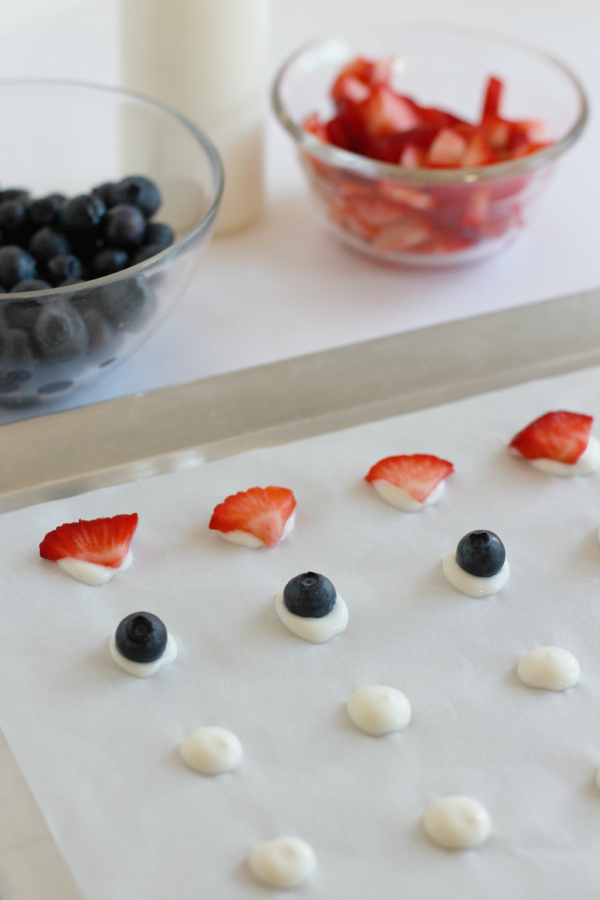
x=283 y=288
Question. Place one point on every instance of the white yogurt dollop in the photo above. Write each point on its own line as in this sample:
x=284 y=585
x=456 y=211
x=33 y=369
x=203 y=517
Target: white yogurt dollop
x=284 y=862
x=473 y=585
x=588 y=462
x=245 y=539
x=144 y=670
x=457 y=822
x=379 y=709
x=551 y=668
x=395 y=496
x=211 y=750
x=92 y=573
x=316 y=631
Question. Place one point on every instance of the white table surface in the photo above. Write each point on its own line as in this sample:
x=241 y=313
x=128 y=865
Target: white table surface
x=283 y=288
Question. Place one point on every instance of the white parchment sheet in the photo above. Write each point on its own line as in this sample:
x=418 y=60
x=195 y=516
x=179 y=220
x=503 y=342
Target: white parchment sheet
x=99 y=748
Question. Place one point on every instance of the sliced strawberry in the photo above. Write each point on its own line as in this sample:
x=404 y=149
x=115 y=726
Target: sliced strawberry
x=478 y=152
x=262 y=512
x=370 y=73
x=418 y=475
x=493 y=98
x=385 y=112
x=316 y=127
x=101 y=541
x=348 y=87
x=404 y=235
x=562 y=436
x=448 y=149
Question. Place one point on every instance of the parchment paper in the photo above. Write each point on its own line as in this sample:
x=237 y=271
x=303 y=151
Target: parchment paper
x=99 y=748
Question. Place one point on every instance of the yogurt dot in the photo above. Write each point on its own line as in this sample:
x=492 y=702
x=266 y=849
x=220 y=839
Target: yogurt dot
x=457 y=822
x=379 y=709
x=314 y=630
x=284 y=862
x=473 y=585
x=211 y=750
x=144 y=670
x=395 y=496
x=551 y=668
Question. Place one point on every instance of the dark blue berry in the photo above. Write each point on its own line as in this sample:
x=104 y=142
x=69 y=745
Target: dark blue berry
x=99 y=331
x=109 y=261
x=141 y=637
x=47 y=242
x=159 y=233
x=136 y=190
x=13 y=214
x=126 y=304
x=124 y=226
x=82 y=213
x=16 y=265
x=30 y=284
x=63 y=266
x=46 y=210
x=15 y=347
x=22 y=313
x=59 y=333
x=14 y=194
x=105 y=191
x=481 y=553
x=146 y=252
x=309 y=595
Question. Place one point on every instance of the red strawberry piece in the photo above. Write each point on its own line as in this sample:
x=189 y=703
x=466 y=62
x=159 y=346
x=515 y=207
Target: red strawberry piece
x=404 y=235
x=316 y=127
x=562 y=436
x=418 y=475
x=262 y=512
x=101 y=541
x=478 y=152
x=348 y=87
x=448 y=149
x=492 y=99
x=385 y=112
x=370 y=73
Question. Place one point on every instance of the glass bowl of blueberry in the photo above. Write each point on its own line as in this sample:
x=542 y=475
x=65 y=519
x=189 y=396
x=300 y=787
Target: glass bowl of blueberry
x=107 y=202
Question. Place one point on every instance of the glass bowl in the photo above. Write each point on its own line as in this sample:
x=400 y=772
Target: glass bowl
x=424 y=216
x=61 y=137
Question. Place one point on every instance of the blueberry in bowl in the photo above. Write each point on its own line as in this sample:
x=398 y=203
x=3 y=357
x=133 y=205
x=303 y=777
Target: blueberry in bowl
x=95 y=247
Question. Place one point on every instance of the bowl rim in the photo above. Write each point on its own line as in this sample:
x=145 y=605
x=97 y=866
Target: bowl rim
x=363 y=165
x=216 y=168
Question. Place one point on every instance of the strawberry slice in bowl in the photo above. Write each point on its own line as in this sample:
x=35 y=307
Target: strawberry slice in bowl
x=410 y=483
x=258 y=517
x=559 y=443
x=92 y=551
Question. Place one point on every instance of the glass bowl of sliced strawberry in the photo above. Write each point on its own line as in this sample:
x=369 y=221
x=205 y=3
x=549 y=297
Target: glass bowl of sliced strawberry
x=428 y=145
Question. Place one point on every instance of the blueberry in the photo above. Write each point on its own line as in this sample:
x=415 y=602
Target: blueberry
x=139 y=191
x=14 y=194
x=15 y=347
x=105 y=191
x=46 y=210
x=309 y=595
x=159 y=233
x=15 y=265
x=13 y=214
x=100 y=333
x=63 y=266
x=47 y=242
x=108 y=261
x=59 y=333
x=141 y=637
x=126 y=304
x=82 y=213
x=30 y=284
x=22 y=313
x=124 y=226
x=481 y=553
x=147 y=252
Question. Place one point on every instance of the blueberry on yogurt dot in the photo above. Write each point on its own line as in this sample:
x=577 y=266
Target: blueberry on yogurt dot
x=309 y=594
x=481 y=553
x=141 y=637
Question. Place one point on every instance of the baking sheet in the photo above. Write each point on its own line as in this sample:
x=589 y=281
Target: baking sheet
x=98 y=748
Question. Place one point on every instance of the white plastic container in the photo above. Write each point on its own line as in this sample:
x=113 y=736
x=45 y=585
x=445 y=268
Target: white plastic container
x=208 y=60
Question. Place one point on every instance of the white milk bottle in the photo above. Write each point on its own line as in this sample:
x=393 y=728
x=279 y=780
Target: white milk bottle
x=207 y=59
